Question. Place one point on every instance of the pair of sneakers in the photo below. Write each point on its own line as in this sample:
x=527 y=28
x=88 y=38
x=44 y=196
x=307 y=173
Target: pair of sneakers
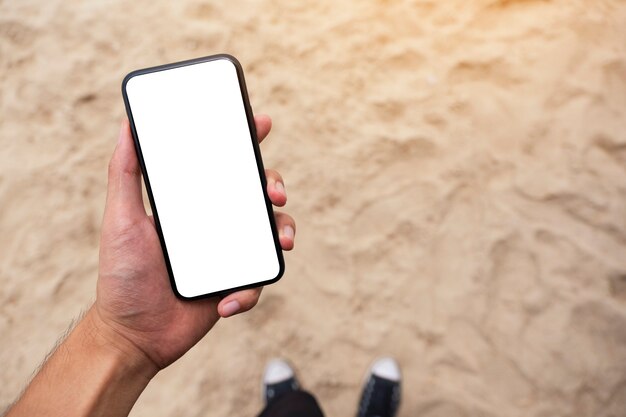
x=380 y=396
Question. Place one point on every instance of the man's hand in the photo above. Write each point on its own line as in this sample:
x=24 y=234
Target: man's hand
x=135 y=305
x=136 y=326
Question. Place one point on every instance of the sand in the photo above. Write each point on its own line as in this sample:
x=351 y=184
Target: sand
x=457 y=170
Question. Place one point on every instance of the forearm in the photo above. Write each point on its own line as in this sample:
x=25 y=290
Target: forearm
x=92 y=373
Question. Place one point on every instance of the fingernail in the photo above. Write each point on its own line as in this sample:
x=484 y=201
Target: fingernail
x=279 y=187
x=230 y=308
x=288 y=232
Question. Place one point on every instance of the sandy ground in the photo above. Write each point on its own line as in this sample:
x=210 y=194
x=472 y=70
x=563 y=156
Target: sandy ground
x=457 y=169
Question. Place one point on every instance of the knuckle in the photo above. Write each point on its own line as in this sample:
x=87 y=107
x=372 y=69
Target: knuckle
x=285 y=218
x=253 y=299
x=274 y=174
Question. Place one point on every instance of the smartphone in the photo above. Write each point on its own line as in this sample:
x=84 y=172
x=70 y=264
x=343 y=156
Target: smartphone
x=196 y=141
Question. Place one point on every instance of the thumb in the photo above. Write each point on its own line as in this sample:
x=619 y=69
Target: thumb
x=124 y=196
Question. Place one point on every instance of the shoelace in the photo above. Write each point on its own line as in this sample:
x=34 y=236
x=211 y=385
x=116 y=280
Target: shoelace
x=380 y=397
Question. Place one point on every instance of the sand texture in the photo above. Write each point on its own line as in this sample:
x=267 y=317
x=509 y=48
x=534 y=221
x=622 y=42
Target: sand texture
x=457 y=170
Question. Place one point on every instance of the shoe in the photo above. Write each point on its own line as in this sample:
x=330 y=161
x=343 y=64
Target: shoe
x=381 y=393
x=278 y=379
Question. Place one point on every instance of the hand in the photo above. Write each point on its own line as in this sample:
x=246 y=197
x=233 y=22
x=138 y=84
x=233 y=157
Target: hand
x=135 y=304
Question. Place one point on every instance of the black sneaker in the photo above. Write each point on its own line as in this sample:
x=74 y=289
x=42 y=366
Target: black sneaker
x=278 y=379
x=381 y=393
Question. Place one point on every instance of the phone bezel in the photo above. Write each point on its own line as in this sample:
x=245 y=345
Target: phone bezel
x=257 y=154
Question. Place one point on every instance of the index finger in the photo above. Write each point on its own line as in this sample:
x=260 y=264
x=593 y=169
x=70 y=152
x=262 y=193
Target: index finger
x=263 y=125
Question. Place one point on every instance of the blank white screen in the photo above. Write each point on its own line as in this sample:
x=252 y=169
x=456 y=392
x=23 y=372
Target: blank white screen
x=194 y=136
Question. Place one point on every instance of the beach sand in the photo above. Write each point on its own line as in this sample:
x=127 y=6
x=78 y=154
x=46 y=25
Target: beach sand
x=457 y=170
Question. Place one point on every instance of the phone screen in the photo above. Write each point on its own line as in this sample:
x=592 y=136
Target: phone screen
x=196 y=141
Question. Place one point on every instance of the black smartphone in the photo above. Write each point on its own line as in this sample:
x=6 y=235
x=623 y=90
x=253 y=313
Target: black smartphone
x=196 y=141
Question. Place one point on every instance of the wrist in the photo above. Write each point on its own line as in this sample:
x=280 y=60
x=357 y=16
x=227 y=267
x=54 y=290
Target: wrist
x=93 y=372
x=105 y=339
